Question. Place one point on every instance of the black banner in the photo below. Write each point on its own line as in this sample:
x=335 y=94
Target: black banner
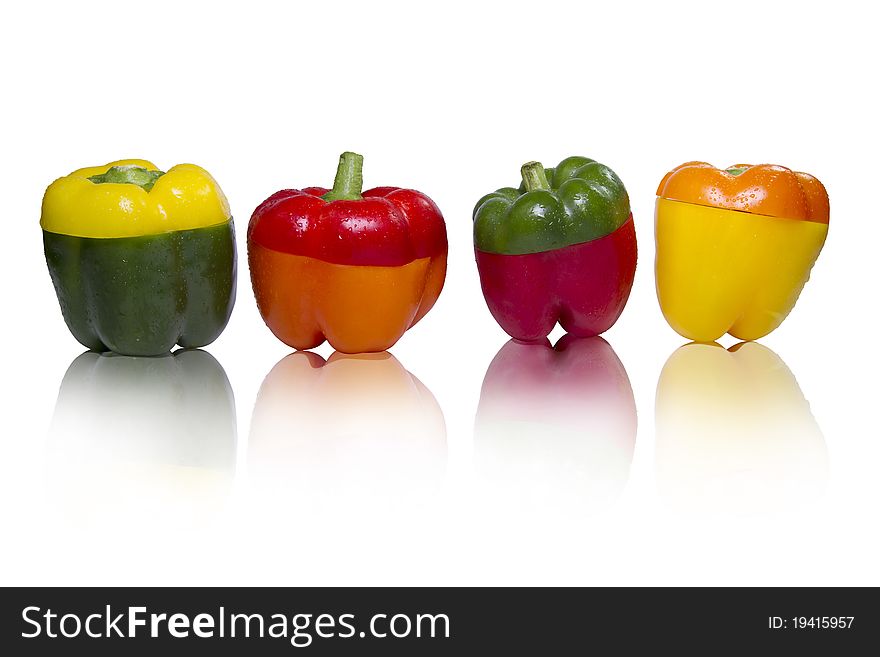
x=420 y=621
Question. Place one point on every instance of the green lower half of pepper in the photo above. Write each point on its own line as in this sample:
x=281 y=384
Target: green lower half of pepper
x=140 y=296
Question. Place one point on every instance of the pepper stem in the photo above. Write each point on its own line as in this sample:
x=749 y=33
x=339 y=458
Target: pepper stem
x=129 y=174
x=349 y=179
x=534 y=177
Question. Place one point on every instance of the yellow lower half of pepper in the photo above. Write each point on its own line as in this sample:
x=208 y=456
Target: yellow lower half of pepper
x=723 y=271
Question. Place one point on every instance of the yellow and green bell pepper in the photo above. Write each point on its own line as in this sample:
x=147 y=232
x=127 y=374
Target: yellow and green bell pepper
x=141 y=259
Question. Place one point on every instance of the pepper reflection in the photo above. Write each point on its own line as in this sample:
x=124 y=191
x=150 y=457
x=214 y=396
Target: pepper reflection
x=357 y=428
x=556 y=425
x=133 y=432
x=734 y=431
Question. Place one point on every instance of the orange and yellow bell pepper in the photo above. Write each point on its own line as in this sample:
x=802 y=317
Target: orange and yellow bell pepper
x=735 y=246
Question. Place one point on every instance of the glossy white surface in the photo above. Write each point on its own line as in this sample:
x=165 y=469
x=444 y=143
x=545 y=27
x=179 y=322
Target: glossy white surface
x=757 y=467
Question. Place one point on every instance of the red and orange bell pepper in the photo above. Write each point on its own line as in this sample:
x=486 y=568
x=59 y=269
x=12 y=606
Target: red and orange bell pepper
x=357 y=269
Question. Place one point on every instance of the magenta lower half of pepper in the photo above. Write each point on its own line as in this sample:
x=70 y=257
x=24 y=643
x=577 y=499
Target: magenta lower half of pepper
x=583 y=287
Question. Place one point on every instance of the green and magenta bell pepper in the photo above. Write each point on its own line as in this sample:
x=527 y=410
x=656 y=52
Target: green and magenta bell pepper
x=141 y=259
x=561 y=248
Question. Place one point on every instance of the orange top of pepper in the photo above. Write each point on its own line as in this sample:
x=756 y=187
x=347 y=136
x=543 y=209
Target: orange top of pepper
x=765 y=189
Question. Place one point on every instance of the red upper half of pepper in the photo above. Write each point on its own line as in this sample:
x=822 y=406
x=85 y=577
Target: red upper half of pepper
x=385 y=226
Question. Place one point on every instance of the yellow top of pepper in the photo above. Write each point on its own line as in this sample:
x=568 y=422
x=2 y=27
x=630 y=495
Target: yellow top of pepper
x=92 y=202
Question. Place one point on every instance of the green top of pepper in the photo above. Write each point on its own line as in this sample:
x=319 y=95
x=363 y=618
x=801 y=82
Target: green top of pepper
x=577 y=201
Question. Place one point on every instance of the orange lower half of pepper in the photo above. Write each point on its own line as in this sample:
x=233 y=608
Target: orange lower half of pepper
x=356 y=308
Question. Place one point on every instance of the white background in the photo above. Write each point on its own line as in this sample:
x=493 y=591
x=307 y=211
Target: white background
x=449 y=99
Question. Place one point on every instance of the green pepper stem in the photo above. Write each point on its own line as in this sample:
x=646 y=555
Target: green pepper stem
x=534 y=177
x=129 y=174
x=349 y=179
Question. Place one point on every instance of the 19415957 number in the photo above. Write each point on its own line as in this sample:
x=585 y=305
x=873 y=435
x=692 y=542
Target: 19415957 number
x=811 y=622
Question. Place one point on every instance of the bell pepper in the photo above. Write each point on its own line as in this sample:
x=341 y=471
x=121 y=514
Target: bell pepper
x=357 y=269
x=735 y=246
x=564 y=414
x=141 y=259
x=734 y=432
x=561 y=248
